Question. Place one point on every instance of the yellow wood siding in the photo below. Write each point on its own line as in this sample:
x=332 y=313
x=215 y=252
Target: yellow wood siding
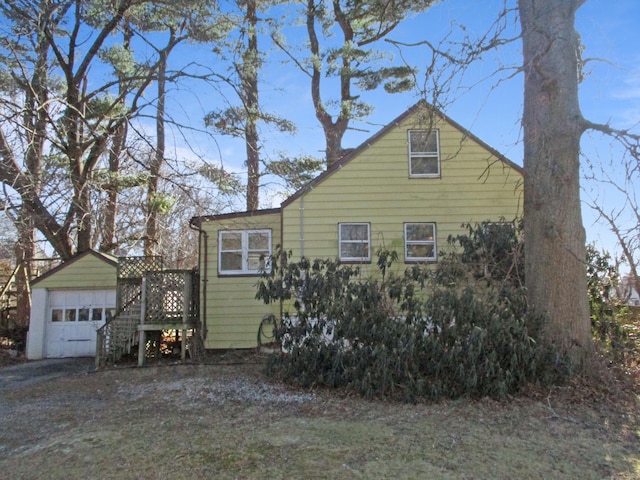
x=233 y=314
x=375 y=187
x=87 y=272
x=372 y=187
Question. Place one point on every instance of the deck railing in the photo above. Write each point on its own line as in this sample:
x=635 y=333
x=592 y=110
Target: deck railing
x=157 y=300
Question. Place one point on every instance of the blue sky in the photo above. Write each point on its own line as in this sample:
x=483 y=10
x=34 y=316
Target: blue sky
x=488 y=105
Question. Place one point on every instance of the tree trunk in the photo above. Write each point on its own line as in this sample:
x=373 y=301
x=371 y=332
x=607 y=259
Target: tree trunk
x=84 y=216
x=151 y=234
x=24 y=252
x=249 y=78
x=108 y=242
x=35 y=118
x=333 y=131
x=555 y=271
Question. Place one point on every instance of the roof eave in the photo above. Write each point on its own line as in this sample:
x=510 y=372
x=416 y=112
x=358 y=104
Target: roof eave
x=197 y=221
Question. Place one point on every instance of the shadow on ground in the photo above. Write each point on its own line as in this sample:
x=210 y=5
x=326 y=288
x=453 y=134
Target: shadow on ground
x=22 y=375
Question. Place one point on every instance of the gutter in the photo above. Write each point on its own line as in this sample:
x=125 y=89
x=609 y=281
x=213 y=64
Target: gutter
x=202 y=235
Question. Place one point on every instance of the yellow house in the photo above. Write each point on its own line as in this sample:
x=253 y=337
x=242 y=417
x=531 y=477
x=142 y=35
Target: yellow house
x=407 y=188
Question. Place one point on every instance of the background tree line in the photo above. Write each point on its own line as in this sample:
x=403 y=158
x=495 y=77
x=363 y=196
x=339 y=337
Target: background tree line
x=85 y=161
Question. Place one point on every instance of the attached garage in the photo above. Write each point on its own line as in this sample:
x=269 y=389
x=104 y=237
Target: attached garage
x=69 y=304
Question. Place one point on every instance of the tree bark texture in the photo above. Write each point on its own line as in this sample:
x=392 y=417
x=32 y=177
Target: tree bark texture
x=249 y=79
x=155 y=167
x=555 y=270
x=25 y=252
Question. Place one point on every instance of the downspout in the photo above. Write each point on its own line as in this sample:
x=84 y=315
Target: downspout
x=202 y=234
x=283 y=253
x=301 y=225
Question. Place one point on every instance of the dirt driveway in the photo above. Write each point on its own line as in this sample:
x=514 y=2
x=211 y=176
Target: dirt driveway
x=225 y=420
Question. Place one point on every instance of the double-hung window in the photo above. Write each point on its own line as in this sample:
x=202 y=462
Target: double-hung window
x=355 y=241
x=424 y=153
x=243 y=252
x=420 y=242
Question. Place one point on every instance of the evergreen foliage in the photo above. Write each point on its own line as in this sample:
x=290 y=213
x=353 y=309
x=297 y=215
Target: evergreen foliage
x=425 y=333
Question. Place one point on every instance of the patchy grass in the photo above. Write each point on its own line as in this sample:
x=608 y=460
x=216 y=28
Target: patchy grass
x=228 y=421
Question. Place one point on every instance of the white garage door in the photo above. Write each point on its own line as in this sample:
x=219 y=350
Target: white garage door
x=73 y=317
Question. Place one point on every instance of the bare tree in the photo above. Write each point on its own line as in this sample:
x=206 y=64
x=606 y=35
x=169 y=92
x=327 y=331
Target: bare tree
x=69 y=121
x=623 y=218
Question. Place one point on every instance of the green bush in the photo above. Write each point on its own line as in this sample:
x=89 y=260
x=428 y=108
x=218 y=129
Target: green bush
x=422 y=333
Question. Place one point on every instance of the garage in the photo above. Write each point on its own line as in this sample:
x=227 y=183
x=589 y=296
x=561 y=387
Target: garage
x=69 y=304
x=74 y=317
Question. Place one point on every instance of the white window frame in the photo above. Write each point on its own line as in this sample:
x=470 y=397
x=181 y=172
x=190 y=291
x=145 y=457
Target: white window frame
x=105 y=313
x=412 y=154
x=245 y=251
x=341 y=242
x=432 y=242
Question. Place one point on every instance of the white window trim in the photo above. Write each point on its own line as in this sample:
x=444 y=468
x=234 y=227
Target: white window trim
x=435 y=155
x=340 y=242
x=106 y=311
x=433 y=242
x=245 y=252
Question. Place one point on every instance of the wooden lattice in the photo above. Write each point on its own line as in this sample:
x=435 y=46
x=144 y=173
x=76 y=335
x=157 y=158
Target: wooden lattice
x=130 y=273
x=168 y=296
x=128 y=294
x=136 y=267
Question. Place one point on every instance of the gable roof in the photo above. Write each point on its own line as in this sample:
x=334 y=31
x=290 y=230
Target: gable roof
x=105 y=257
x=422 y=104
x=351 y=154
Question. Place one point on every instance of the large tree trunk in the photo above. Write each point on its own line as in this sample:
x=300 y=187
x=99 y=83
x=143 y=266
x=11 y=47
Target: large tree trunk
x=555 y=272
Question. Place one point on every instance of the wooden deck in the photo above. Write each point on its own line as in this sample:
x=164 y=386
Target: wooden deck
x=149 y=298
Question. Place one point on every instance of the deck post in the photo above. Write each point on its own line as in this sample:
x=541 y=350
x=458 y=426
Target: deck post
x=186 y=303
x=142 y=335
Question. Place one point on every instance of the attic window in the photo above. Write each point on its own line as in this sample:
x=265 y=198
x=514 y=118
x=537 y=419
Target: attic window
x=354 y=242
x=424 y=153
x=243 y=252
x=420 y=242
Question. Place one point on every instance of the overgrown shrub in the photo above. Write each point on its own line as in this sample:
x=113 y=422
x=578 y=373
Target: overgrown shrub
x=492 y=251
x=12 y=332
x=422 y=333
x=613 y=325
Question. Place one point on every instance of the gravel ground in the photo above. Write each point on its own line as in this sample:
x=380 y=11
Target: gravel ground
x=23 y=374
